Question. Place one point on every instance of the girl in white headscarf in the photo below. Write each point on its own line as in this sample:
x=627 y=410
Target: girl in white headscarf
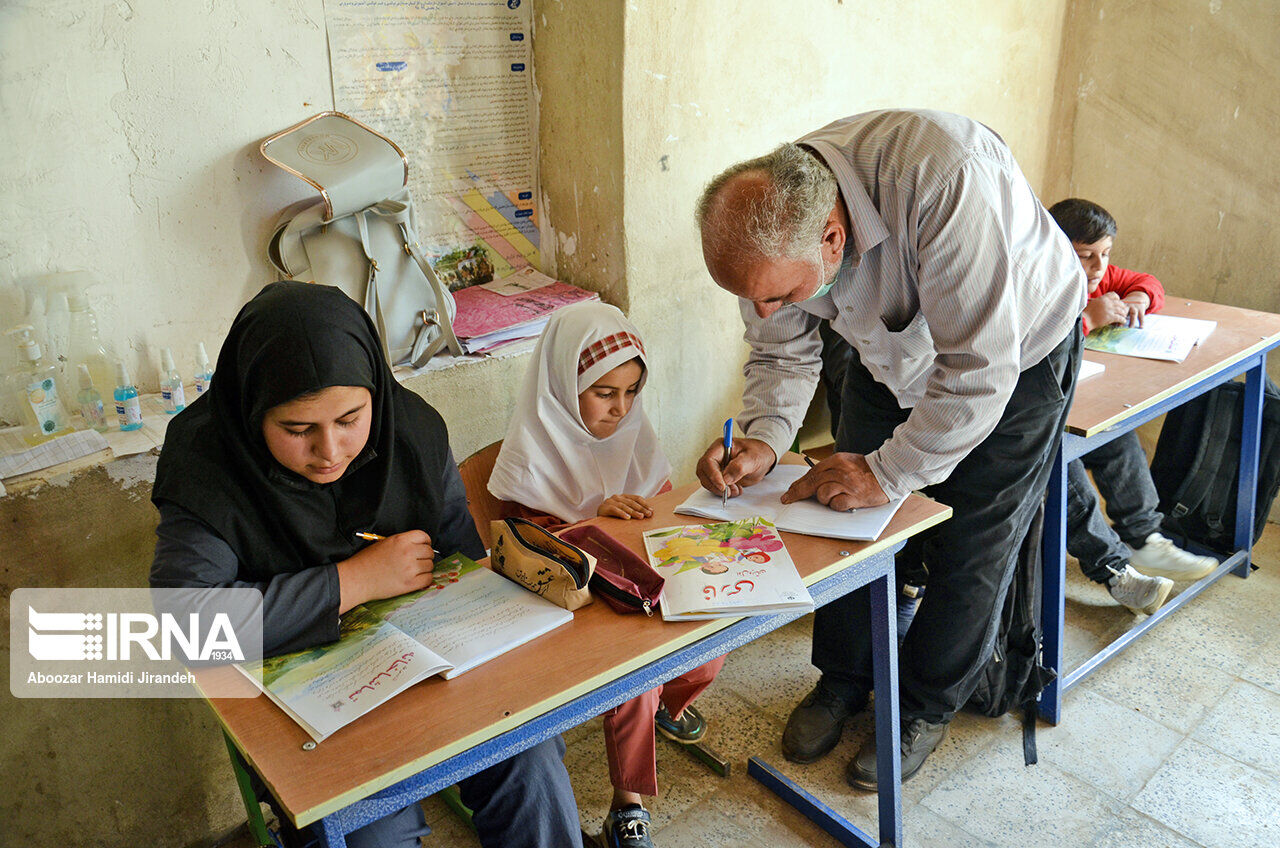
x=580 y=445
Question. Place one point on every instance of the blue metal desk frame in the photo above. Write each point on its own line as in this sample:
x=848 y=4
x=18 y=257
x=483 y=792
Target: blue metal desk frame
x=1053 y=609
x=876 y=570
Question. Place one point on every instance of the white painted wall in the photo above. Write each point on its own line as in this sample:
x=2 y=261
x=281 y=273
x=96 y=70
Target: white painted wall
x=710 y=83
x=130 y=130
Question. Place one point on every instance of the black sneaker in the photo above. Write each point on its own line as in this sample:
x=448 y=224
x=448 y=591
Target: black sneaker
x=627 y=828
x=919 y=739
x=686 y=730
x=814 y=726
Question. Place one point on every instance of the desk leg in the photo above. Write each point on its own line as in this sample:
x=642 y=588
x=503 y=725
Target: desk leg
x=257 y=825
x=1053 y=597
x=1250 y=449
x=884 y=650
x=333 y=836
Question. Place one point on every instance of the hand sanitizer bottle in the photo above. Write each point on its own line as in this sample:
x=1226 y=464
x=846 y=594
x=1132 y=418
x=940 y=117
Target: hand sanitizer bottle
x=128 y=409
x=91 y=402
x=204 y=371
x=86 y=347
x=35 y=383
x=171 y=392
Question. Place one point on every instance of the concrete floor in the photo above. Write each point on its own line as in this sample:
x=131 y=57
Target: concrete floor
x=1174 y=744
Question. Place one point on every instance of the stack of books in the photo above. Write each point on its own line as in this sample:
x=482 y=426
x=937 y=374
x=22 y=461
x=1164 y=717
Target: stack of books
x=516 y=307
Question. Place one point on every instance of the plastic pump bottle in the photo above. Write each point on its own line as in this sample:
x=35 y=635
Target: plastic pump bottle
x=37 y=389
x=85 y=344
x=204 y=371
x=58 y=321
x=128 y=408
x=171 y=391
x=91 y=402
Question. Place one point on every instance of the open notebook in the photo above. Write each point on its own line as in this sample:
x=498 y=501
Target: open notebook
x=467 y=616
x=1167 y=337
x=808 y=517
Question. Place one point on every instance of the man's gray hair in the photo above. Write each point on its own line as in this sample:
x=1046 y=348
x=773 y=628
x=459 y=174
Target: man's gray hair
x=784 y=220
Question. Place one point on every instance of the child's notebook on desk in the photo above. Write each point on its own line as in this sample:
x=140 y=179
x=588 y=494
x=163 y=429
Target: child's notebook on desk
x=1166 y=337
x=469 y=615
x=808 y=516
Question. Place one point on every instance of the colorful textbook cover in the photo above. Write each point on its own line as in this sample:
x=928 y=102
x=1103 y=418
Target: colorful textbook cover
x=467 y=616
x=726 y=570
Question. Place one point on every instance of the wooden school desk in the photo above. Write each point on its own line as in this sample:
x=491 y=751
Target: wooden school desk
x=1128 y=394
x=436 y=732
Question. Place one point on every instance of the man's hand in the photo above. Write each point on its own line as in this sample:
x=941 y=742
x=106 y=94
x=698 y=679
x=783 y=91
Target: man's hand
x=389 y=567
x=749 y=461
x=1137 y=304
x=625 y=506
x=842 y=481
x=1106 y=309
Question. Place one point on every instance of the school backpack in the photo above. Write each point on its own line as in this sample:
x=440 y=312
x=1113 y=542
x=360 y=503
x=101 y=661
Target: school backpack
x=1197 y=461
x=360 y=234
x=1015 y=675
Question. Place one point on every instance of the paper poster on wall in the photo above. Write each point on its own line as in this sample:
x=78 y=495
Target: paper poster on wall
x=451 y=82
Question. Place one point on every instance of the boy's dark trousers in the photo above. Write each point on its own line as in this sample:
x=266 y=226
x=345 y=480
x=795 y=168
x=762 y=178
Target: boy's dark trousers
x=993 y=493
x=1120 y=469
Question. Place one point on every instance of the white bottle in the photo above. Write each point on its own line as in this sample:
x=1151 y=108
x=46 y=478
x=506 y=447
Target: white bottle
x=90 y=400
x=41 y=406
x=58 y=318
x=204 y=371
x=38 y=321
x=86 y=346
x=171 y=392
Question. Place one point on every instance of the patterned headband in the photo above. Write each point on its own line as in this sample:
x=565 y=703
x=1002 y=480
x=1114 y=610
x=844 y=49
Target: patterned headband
x=597 y=351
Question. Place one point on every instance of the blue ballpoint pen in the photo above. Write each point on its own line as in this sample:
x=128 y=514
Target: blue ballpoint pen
x=728 y=450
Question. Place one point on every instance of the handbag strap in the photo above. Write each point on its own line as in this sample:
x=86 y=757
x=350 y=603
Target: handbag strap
x=424 y=348
x=371 y=303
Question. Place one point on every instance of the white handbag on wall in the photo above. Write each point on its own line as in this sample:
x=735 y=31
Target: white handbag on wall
x=361 y=233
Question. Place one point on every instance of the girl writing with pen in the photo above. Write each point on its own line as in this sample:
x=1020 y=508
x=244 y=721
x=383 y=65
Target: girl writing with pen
x=306 y=440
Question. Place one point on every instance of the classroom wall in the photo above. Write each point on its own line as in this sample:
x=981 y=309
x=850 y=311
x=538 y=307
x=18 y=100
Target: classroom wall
x=1168 y=117
x=131 y=133
x=707 y=84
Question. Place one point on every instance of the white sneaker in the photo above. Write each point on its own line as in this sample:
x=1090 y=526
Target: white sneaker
x=1160 y=557
x=1139 y=592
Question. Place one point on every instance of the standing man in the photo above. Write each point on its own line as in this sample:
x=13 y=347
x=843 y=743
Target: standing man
x=917 y=237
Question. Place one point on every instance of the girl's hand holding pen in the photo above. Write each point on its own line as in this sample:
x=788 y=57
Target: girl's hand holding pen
x=390 y=566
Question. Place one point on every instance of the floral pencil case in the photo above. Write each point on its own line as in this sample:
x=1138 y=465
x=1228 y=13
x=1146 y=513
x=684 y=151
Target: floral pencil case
x=625 y=581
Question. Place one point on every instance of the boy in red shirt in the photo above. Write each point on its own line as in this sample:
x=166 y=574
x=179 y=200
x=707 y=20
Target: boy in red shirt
x=1130 y=557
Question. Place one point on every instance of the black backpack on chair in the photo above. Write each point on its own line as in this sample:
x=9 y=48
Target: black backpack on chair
x=1197 y=462
x=1015 y=675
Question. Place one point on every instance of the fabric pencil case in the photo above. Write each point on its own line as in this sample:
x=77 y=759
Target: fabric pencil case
x=625 y=581
x=529 y=555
